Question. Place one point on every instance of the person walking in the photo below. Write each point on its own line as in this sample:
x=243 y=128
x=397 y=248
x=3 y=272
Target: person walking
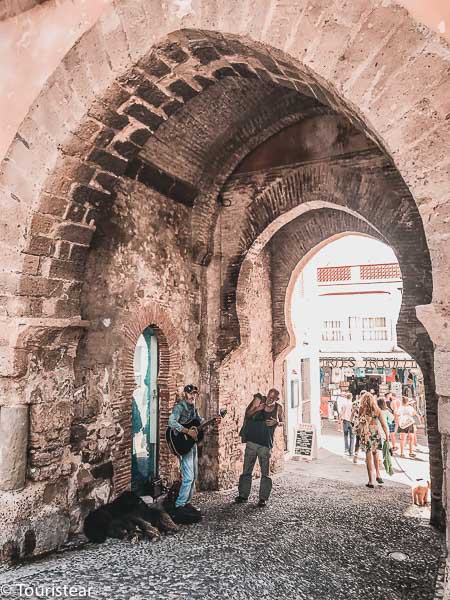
x=392 y=424
x=355 y=421
x=346 y=417
x=183 y=412
x=370 y=418
x=387 y=414
x=262 y=417
x=406 y=414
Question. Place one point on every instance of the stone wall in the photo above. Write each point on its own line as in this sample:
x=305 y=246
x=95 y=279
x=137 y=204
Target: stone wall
x=249 y=369
x=139 y=273
x=141 y=258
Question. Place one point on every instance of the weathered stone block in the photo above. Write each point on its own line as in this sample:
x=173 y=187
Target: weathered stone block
x=64 y=269
x=54 y=202
x=39 y=245
x=109 y=162
x=140 y=136
x=14 y=422
x=126 y=149
x=436 y=319
x=49 y=424
x=171 y=107
x=145 y=116
x=173 y=52
x=441 y=370
x=224 y=72
x=72 y=232
x=149 y=92
x=104 y=471
x=107 y=181
x=37 y=286
x=204 y=52
x=104 y=138
x=182 y=90
x=444 y=416
x=154 y=66
x=31 y=264
x=42 y=225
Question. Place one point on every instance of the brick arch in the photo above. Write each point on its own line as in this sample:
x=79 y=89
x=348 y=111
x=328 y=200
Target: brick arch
x=293 y=246
x=311 y=47
x=368 y=187
x=290 y=247
x=156 y=317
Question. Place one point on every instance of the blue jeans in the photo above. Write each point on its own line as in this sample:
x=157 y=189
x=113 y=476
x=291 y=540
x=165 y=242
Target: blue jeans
x=189 y=472
x=349 y=438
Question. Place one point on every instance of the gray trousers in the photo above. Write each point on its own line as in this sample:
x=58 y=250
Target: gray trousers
x=253 y=452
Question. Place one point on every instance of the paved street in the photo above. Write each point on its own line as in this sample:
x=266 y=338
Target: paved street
x=332 y=463
x=319 y=539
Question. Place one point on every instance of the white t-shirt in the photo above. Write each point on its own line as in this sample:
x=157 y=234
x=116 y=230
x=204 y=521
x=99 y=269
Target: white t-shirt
x=405 y=411
x=340 y=403
x=346 y=410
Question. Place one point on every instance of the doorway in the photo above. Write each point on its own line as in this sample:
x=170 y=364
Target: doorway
x=145 y=413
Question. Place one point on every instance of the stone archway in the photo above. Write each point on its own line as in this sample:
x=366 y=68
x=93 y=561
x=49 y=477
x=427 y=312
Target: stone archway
x=93 y=127
x=357 y=184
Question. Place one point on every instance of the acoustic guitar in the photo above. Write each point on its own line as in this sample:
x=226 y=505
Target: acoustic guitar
x=180 y=443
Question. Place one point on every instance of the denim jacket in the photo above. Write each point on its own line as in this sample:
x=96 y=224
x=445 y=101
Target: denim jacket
x=182 y=413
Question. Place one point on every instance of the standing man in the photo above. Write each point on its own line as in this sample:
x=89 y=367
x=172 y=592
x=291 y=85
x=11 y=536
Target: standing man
x=346 y=416
x=183 y=412
x=262 y=417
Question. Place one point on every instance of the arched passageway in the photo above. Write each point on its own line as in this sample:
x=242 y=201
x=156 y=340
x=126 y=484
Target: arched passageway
x=160 y=197
x=342 y=312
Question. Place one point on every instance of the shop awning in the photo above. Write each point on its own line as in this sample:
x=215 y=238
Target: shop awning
x=375 y=360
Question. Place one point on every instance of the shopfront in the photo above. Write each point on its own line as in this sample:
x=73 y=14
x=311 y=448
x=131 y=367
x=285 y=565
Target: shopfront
x=382 y=373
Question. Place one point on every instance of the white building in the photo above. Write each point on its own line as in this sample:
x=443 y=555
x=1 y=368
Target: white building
x=344 y=311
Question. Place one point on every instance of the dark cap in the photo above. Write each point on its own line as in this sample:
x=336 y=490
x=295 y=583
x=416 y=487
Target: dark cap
x=189 y=389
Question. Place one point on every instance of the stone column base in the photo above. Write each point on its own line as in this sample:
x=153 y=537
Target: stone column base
x=29 y=525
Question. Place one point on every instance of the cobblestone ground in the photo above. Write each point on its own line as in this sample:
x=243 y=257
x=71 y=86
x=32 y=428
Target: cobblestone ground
x=318 y=539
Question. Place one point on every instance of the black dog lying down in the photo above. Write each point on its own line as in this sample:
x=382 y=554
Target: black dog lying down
x=129 y=517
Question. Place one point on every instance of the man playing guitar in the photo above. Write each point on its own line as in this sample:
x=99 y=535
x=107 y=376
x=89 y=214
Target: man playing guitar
x=183 y=412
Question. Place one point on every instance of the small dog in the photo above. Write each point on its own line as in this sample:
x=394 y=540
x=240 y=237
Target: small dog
x=420 y=493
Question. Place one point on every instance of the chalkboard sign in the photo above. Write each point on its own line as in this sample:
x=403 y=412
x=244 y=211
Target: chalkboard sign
x=305 y=440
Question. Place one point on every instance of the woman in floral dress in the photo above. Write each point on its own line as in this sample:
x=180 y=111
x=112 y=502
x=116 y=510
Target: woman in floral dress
x=368 y=429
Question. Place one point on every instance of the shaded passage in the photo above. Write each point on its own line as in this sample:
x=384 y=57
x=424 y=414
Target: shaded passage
x=319 y=539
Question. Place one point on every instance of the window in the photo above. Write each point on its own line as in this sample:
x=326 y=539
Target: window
x=332 y=331
x=374 y=329
x=354 y=325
